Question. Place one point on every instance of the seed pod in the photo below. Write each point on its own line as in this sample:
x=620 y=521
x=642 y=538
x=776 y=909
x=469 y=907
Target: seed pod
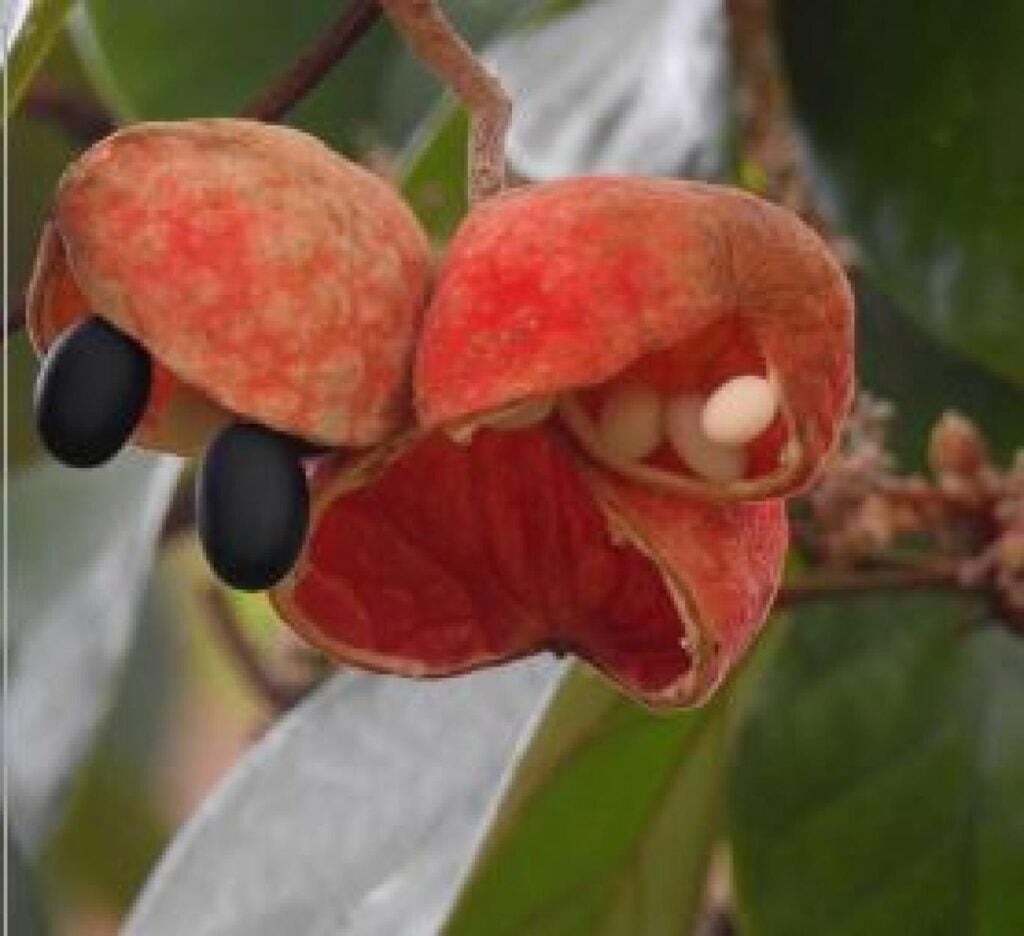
x=573 y=287
x=267 y=276
x=457 y=556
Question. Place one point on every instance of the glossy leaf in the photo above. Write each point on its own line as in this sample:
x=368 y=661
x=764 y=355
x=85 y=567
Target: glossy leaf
x=356 y=813
x=641 y=90
x=607 y=825
x=114 y=807
x=30 y=28
x=82 y=548
x=898 y=361
x=879 y=779
x=434 y=170
x=374 y=98
x=912 y=115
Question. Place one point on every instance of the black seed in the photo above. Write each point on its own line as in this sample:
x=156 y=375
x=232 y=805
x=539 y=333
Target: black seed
x=306 y=449
x=252 y=506
x=91 y=393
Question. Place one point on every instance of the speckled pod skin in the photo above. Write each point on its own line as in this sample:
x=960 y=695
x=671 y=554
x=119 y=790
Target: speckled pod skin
x=567 y=285
x=268 y=277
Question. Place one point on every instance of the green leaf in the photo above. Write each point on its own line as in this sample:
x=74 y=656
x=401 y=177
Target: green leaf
x=114 y=826
x=24 y=913
x=434 y=168
x=166 y=59
x=912 y=112
x=37 y=154
x=38 y=151
x=359 y=807
x=878 y=785
x=29 y=40
x=898 y=361
x=85 y=542
x=608 y=824
x=111 y=837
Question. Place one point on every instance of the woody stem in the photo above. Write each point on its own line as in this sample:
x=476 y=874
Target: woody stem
x=313 y=64
x=834 y=584
x=435 y=42
x=278 y=694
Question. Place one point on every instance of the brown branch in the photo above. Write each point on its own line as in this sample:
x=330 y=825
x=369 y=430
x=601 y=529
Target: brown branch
x=314 y=64
x=941 y=576
x=82 y=117
x=181 y=514
x=435 y=42
x=278 y=694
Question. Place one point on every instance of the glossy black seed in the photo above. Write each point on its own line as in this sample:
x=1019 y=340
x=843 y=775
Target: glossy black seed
x=91 y=393
x=252 y=506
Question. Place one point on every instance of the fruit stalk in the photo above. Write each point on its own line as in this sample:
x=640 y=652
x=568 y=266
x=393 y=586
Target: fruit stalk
x=434 y=41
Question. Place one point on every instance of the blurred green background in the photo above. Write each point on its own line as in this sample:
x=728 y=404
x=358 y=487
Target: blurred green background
x=864 y=774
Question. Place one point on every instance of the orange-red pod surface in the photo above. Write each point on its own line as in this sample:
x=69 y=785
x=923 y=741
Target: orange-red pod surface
x=456 y=556
x=267 y=276
x=570 y=289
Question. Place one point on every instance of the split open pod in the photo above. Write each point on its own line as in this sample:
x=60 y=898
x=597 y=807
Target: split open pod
x=229 y=280
x=691 y=337
x=616 y=382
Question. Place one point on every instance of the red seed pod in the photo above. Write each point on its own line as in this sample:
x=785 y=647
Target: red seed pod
x=266 y=275
x=454 y=557
x=728 y=314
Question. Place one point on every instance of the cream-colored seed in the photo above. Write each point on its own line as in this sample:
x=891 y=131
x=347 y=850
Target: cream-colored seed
x=630 y=422
x=739 y=410
x=523 y=415
x=705 y=458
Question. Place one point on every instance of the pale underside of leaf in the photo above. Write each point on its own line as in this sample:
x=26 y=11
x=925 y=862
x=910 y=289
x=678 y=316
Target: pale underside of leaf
x=82 y=545
x=619 y=87
x=29 y=29
x=356 y=814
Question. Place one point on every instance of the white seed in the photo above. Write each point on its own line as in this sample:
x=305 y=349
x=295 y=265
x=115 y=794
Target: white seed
x=706 y=459
x=739 y=410
x=523 y=415
x=630 y=421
